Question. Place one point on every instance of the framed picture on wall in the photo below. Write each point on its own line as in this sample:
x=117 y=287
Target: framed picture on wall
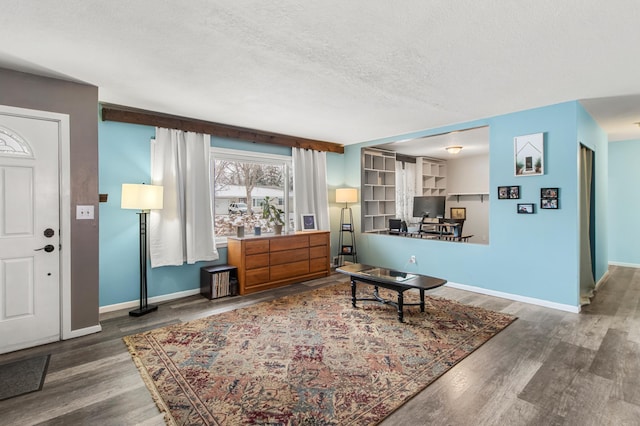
x=548 y=192
x=503 y=192
x=549 y=198
x=509 y=192
x=526 y=208
x=529 y=155
x=458 y=213
x=309 y=222
x=549 y=203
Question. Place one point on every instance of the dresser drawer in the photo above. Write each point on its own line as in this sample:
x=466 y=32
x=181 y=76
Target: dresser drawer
x=289 y=270
x=288 y=256
x=317 y=239
x=319 y=264
x=256 y=276
x=289 y=242
x=318 y=251
x=257 y=261
x=258 y=246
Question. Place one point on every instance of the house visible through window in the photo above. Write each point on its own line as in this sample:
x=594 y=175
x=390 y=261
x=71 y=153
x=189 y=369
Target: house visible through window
x=242 y=181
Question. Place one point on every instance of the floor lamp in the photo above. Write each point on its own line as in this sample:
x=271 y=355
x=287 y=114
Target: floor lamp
x=346 y=196
x=144 y=198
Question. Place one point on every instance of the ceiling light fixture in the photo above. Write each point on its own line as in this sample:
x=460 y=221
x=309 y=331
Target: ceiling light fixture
x=454 y=149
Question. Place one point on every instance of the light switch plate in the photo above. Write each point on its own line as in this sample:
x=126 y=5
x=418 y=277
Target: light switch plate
x=84 y=212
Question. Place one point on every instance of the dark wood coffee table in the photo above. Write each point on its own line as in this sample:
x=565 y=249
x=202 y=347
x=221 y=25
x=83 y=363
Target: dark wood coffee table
x=393 y=280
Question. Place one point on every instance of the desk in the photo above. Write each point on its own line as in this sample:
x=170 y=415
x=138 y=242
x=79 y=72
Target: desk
x=392 y=280
x=444 y=228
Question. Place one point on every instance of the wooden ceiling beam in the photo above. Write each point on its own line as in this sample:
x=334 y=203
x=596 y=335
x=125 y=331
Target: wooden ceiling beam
x=149 y=118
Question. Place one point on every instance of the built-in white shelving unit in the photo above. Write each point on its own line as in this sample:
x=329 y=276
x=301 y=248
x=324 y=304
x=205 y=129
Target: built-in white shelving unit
x=378 y=189
x=431 y=176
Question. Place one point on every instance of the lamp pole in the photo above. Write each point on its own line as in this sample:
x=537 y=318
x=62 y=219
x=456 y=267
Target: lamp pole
x=144 y=307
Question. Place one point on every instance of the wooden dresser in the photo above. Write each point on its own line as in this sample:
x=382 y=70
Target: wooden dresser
x=270 y=261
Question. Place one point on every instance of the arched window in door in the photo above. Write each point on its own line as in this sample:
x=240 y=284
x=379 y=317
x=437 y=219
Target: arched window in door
x=13 y=144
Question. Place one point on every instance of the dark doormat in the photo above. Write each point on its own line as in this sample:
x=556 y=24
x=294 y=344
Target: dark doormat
x=24 y=376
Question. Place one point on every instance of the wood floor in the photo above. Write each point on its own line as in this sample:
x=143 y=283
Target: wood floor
x=547 y=368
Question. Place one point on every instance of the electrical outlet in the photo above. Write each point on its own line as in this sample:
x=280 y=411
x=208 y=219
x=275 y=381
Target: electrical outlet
x=412 y=259
x=84 y=212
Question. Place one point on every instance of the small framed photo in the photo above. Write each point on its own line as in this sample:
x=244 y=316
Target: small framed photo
x=458 y=213
x=548 y=192
x=503 y=192
x=346 y=250
x=514 y=192
x=309 y=222
x=526 y=208
x=346 y=227
x=549 y=203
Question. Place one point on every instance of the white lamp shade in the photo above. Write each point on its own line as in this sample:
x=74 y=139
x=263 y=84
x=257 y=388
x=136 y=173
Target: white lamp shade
x=346 y=195
x=141 y=197
x=453 y=149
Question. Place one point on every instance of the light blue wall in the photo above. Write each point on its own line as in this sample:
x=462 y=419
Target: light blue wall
x=624 y=203
x=124 y=157
x=123 y=151
x=528 y=255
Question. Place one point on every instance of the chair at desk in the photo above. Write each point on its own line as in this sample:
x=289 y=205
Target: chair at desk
x=426 y=225
x=457 y=231
x=456 y=235
x=395 y=226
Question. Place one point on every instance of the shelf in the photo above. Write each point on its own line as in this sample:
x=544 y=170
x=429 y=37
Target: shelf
x=378 y=188
x=468 y=194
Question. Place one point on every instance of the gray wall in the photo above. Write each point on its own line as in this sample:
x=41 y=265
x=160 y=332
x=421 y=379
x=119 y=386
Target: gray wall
x=80 y=102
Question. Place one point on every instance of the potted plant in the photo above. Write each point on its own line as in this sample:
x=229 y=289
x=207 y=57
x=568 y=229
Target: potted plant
x=272 y=214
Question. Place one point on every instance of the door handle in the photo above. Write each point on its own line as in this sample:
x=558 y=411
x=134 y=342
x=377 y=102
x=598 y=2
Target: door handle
x=48 y=248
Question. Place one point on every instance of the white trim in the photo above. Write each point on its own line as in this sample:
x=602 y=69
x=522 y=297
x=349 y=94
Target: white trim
x=248 y=156
x=64 y=170
x=156 y=299
x=602 y=280
x=84 y=331
x=625 y=264
x=516 y=297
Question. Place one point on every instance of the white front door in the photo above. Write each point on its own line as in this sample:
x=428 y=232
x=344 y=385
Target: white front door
x=29 y=230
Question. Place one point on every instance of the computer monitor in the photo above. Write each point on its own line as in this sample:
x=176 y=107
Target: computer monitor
x=429 y=206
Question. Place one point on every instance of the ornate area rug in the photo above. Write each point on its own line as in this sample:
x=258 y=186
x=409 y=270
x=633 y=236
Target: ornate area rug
x=308 y=359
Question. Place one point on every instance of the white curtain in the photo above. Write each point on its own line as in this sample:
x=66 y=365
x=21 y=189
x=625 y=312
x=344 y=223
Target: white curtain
x=310 y=186
x=405 y=190
x=183 y=230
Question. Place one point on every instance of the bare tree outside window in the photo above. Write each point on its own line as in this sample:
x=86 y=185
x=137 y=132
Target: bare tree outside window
x=240 y=188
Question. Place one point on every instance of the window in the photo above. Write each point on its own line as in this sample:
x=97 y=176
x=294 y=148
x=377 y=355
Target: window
x=242 y=181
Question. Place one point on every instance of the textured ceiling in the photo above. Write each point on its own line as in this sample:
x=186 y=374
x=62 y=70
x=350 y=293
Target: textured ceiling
x=341 y=71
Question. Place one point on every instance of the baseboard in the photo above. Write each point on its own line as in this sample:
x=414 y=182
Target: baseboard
x=603 y=279
x=628 y=265
x=156 y=299
x=515 y=297
x=82 y=332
